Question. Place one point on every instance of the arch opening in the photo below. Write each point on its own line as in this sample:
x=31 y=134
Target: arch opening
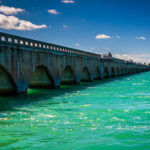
x=136 y=70
x=97 y=74
x=125 y=70
x=128 y=70
x=41 y=78
x=122 y=71
x=7 y=83
x=68 y=76
x=85 y=75
x=112 y=72
x=118 y=71
x=106 y=73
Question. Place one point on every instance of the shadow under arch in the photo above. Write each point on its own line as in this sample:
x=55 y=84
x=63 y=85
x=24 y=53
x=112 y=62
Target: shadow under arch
x=68 y=76
x=7 y=83
x=125 y=70
x=97 y=74
x=118 y=71
x=85 y=75
x=128 y=70
x=41 y=78
x=122 y=72
x=106 y=73
x=112 y=72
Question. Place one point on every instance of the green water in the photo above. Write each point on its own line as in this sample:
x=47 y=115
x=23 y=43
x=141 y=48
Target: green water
x=102 y=115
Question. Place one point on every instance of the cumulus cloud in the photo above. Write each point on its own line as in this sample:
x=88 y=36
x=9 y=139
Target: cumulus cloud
x=141 y=38
x=118 y=37
x=10 y=10
x=65 y=26
x=103 y=36
x=77 y=44
x=68 y=1
x=12 y=22
x=53 y=11
x=142 y=58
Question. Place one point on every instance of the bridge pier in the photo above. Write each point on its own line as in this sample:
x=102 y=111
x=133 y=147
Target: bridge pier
x=22 y=87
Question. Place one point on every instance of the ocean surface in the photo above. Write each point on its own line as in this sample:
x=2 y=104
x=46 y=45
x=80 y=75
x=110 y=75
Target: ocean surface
x=112 y=114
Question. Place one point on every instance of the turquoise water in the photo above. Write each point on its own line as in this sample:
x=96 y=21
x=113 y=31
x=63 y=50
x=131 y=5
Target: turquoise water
x=111 y=114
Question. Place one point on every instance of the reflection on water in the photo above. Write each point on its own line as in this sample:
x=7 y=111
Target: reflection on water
x=111 y=114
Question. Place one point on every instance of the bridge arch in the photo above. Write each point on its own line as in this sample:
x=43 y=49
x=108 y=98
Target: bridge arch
x=85 y=74
x=118 y=71
x=7 y=83
x=97 y=73
x=128 y=70
x=112 y=72
x=136 y=70
x=122 y=71
x=41 y=78
x=68 y=76
x=125 y=70
x=106 y=73
x=131 y=70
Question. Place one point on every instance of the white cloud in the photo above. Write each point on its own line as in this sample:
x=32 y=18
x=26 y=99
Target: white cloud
x=65 y=26
x=107 y=48
x=141 y=38
x=118 y=37
x=77 y=44
x=53 y=11
x=68 y=1
x=12 y=22
x=92 y=48
x=10 y=10
x=142 y=58
x=103 y=36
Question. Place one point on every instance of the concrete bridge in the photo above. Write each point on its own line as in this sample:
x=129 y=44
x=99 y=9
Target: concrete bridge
x=28 y=63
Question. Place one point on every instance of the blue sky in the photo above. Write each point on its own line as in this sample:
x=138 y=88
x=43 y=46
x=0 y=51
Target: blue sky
x=119 y=26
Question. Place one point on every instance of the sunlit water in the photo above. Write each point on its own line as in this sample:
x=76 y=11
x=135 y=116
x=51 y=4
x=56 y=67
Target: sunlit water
x=100 y=115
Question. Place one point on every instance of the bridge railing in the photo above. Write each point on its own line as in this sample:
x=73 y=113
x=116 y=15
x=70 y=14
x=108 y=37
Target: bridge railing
x=21 y=41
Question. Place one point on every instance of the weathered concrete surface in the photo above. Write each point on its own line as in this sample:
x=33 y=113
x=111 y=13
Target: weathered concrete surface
x=41 y=78
x=43 y=65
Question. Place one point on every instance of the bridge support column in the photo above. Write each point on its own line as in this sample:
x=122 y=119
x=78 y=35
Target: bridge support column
x=101 y=75
x=78 y=78
x=57 y=82
x=92 y=76
x=22 y=86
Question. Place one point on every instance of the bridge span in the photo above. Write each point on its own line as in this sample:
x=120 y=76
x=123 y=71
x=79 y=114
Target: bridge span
x=28 y=63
